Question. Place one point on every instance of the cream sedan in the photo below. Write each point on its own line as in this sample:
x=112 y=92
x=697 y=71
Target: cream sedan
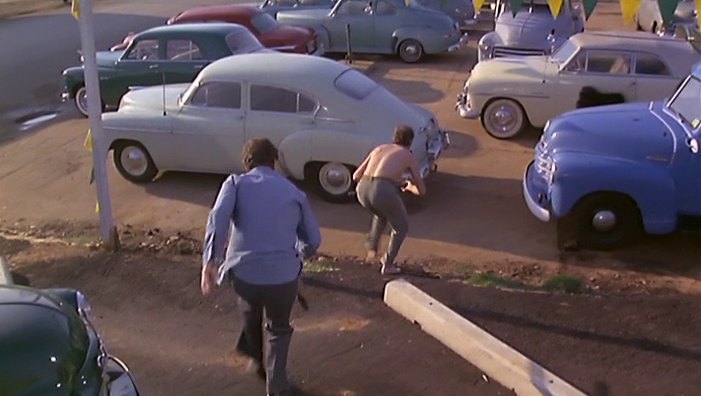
x=590 y=68
x=323 y=116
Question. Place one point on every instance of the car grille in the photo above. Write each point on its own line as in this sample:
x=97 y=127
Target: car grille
x=543 y=161
x=500 y=52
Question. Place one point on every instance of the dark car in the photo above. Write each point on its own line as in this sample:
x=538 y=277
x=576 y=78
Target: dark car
x=48 y=346
x=161 y=55
x=268 y=31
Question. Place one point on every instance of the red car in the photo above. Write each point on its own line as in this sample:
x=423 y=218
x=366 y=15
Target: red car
x=268 y=31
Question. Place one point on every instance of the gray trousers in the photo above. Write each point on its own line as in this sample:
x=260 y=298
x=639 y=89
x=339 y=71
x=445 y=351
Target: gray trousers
x=275 y=301
x=381 y=197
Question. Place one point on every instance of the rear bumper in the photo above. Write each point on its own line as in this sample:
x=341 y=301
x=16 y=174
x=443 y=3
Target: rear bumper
x=462 y=42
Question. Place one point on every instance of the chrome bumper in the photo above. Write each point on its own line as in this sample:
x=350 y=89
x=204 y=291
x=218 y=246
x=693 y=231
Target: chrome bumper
x=435 y=149
x=121 y=382
x=463 y=41
x=539 y=212
x=462 y=106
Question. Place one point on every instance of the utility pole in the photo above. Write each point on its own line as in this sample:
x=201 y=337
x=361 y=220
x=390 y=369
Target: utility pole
x=82 y=10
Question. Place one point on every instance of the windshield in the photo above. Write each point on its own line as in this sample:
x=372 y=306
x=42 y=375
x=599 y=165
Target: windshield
x=687 y=102
x=565 y=52
x=242 y=42
x=264 y=23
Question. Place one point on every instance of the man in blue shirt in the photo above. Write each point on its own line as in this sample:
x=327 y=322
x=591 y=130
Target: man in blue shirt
x=258 y=232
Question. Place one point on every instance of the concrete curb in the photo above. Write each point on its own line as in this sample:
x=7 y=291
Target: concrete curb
x=498 y=360
x=5 y=275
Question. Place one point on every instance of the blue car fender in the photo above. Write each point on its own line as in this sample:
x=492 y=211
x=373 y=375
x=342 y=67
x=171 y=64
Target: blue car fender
x=650 y=186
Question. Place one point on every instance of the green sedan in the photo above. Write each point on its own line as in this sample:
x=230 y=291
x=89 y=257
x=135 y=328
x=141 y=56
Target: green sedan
x=161 y=55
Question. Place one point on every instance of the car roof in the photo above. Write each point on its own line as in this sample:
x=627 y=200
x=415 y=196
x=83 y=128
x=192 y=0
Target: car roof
x=624 y=39
x=206 y=28
x=219 y=11
x=297 y=68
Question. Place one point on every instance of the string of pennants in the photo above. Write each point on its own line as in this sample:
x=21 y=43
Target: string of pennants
x=628 y=7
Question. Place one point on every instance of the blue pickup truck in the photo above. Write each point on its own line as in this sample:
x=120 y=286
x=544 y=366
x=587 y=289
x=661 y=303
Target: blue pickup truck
x=605 y=174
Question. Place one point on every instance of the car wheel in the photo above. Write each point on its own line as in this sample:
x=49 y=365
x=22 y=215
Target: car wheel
x=504 y=118
x=134 y=162
x=334 y=181
x=411 y=51
x=81 y=101
x=600 y=221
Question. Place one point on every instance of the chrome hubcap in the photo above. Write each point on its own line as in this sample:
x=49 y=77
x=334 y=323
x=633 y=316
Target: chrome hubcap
x=82 y=100
x=411 y=50
x=604 y=220
x=134 y=161
x=504 y=118
x=335 y=178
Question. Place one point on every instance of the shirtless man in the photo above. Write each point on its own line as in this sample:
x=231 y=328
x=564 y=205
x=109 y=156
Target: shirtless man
x=380 y=182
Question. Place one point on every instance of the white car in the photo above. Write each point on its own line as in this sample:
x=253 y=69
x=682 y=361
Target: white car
x=590 y=68
x=323 y=116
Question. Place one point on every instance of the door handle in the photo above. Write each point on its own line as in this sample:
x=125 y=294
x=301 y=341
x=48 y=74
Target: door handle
x=153 y=67
x=198 y=67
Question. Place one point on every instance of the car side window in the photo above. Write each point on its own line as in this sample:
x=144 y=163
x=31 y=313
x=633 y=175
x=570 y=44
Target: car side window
x=578 y=63
x=143 y=50
x=649 y=64
x=183 y=50
x=352 y=8
x=610 y=62
x=384 y=8
x=266 y=98
x=218 y=94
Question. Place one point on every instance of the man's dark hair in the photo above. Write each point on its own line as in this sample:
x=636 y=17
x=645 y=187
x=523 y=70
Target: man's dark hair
x=403 y=135
x=258 y=152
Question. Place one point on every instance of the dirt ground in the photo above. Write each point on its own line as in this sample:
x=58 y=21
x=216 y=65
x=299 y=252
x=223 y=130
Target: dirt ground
x=615 y=339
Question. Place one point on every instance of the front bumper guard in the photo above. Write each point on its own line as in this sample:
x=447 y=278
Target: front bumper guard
x=462 y=42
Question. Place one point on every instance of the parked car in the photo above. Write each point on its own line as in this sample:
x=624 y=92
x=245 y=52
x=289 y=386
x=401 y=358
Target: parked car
x=49 y=346
x=323 y=116
x=381 y=27
x=605 y=174
x=511 y=94
x=164 y=54
x=268 y=31
x=649 y=17
x=462 y=11
x=532 y=31
x=272 y=7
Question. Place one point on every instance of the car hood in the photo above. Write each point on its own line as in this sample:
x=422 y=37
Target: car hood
x=286 y=35
x=505 y=69
x=629 y=131
x=151 y=98
x=530 y=29
x=43 y=345
x=303 y=17
x=107 y=58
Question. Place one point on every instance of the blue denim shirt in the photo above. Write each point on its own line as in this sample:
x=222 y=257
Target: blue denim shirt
x=261 y=226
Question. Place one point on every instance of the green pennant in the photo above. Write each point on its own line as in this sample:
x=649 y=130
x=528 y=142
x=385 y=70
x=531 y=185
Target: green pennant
x=589 y=7
x=667 y=8
x=515 y=6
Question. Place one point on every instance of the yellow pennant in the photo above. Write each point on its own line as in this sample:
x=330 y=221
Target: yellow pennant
x=480 y=3
x=629 y=8
x=555 y=7
x=88 y=141
x=75 y=9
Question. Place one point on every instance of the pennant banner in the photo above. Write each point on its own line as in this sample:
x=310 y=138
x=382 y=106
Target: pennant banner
x=478 y=4
x=556 y=7
x=667 y=8
x=589 y=7
x=515 y=6
x=629 y=8
x=75 y=9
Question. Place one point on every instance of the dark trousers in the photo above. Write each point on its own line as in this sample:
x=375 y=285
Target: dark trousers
x=275 y=302
x=381 y=197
